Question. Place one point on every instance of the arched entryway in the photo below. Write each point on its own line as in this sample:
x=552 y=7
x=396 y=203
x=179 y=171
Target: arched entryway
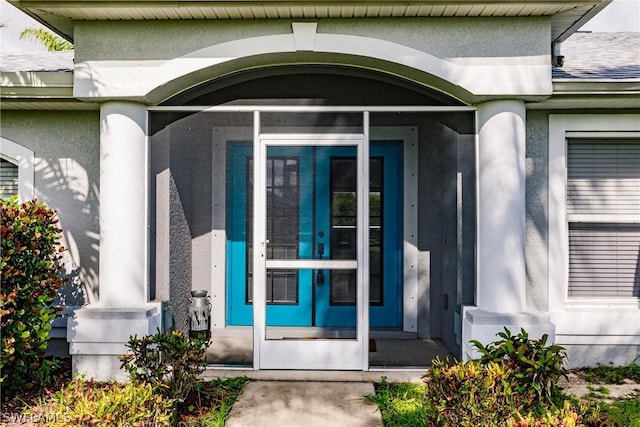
x=329 y=210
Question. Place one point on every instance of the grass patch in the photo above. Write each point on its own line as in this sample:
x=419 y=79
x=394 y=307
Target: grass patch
x=401 y=404
x=603 y=374
x=624 y=413
x=599 y=391
x=210 y=403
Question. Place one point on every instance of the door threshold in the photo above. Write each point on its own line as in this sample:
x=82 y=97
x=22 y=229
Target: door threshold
x=394 y=375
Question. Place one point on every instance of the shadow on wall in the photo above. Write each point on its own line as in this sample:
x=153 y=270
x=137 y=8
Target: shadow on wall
x=66 y=186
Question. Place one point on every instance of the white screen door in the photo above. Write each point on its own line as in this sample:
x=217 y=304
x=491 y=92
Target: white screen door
x=301 y=275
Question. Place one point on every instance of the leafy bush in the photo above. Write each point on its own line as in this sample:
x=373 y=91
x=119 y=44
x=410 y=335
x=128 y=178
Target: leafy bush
x=31 y=276
x=534 y=364
x=472 y=393
x=488 y=394
x=569 y=414
x=169 y=360
x=89 y=403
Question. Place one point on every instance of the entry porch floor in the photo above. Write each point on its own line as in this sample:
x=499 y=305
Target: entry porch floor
x=385 y=353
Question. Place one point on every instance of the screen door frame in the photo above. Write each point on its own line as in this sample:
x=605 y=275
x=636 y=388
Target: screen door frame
x=318 y=353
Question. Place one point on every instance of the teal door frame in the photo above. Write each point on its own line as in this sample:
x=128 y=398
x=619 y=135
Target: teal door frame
x=388 y=314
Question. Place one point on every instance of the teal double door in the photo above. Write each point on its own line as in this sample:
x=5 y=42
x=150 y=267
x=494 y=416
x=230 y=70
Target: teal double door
x=311 y=198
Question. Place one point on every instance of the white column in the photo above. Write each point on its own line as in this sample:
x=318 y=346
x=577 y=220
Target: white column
x=98 y=332
x=501 y=272
x=123 y=205
x=501 y=207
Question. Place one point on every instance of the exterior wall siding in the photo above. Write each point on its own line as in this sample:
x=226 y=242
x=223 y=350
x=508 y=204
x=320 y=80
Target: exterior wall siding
x=537 y=210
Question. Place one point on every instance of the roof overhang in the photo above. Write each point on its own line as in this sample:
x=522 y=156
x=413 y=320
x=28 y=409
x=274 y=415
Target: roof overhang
x=45 y=90
x=593 y=94
x=27 y=90
x=566 y=15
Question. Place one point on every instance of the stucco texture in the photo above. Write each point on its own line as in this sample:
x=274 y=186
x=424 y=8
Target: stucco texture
x=501 y=37
x=67 y=167
x=537 y=210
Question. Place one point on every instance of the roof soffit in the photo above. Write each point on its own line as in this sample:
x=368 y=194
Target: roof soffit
x=566 y=15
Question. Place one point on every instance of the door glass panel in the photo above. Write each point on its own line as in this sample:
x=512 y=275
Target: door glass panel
x=283 y=191
x=301 y=209
x=283 y=205
x=343 y=229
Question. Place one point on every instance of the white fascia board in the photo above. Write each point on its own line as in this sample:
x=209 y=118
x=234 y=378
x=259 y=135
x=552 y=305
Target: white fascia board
x=591 y=93
x=596 y=86
x=34 y=84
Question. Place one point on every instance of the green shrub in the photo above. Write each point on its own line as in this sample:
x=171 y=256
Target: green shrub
x=489 y=394
x=472 y=394
x=534 y=364
x=88 y=403
x=31 y=276
x=171 y=361
x=569 y=415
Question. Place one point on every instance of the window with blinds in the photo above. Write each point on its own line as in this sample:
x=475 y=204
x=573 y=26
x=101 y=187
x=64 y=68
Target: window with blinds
x=603 y=211
x=8 y=179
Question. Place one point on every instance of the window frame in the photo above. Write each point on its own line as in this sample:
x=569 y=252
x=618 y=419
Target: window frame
x=562 y=128
x=24 y=159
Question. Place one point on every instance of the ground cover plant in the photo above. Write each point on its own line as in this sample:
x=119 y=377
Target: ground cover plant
x=165 y=390
x=515 y=383
x=91 y=403
x=624 y=412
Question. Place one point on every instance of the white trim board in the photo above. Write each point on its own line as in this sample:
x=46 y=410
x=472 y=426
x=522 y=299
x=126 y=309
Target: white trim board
x=25 y=160
x=561 y=127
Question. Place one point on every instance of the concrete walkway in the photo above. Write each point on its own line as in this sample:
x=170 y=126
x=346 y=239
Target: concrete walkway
x=604 y=392
x=305 y=404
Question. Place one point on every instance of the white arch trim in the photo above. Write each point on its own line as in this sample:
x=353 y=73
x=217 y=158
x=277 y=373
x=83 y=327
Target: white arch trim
x=101 y=79
x=24 y=159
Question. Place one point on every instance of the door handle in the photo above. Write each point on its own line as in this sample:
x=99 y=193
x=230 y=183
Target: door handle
x=320 y=273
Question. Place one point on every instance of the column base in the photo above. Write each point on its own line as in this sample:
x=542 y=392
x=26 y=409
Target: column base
x=97 y=336
x=484 y=326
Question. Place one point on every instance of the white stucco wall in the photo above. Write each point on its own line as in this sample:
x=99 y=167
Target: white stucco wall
x=512 y=57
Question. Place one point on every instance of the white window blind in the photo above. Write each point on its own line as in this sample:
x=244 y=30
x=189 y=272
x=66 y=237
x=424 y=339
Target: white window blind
x=603 y=210
x=8 y=179
x=604 y=179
